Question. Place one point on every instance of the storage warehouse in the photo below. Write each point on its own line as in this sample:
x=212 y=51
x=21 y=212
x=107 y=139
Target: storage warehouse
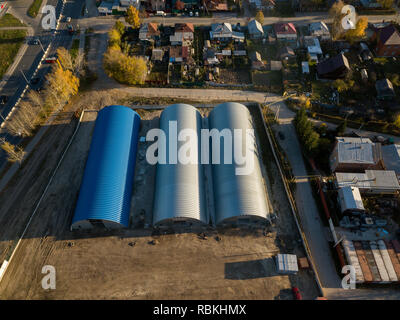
x=179 y=189
x=237 y=198
x=350 y=200
x=105 y=193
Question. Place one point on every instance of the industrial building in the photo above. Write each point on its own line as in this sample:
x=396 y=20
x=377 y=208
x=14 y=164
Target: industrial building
x=356 y=155
x=179 y=190
x=237 y=198
x=391 y=158
x=350 y=200
x=105 y=192
x=372 y=181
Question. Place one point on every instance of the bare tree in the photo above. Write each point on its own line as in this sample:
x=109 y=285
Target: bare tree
x=14 y=153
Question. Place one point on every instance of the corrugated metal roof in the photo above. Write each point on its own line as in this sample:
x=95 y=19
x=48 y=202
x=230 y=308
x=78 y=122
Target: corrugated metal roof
x=352 y=150
x=180 y=193
x=106 y=188
x=391 y=157
x=236 y=195
x=350 y=198
x=371 y=179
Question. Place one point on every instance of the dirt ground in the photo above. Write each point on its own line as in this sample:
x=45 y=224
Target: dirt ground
x=135 y=263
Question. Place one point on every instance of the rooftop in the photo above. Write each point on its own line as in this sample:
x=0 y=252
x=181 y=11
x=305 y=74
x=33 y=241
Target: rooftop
x=353 y=150
x=350 y=198
x=371 y=179
x=391 y=157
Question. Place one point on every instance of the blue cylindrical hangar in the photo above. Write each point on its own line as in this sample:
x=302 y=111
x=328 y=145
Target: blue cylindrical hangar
x=180 y=190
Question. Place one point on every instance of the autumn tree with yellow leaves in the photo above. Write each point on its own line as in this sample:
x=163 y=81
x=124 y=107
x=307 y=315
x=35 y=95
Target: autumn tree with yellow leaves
x=14 y=153
x=132 y=17
x=124 y=68
x=260 y=17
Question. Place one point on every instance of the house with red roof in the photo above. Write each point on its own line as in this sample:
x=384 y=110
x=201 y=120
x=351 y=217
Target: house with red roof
x=388 y=41
x=285 y=31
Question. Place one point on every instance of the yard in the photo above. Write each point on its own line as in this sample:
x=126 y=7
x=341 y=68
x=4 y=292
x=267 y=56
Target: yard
x=8 y=20
x=268 y=80
x=10 y=42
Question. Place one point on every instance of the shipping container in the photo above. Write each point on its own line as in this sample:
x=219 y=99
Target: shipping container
x=394 y=258
x=363 y=261
x=371 y=262
x=379 y=262
x=387 y=261
x=352 y=259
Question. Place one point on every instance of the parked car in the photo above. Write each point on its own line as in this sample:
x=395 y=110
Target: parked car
x=50 y=60
x=191 y=13
x=68 y=19
x=160 y=14
x=34 y=41
x=35 y=80
x=296 y=293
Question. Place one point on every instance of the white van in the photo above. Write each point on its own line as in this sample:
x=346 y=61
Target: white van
x=160 y=13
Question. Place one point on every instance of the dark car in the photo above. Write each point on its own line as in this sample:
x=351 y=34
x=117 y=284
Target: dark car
x=3 y=99
x=35 y=80
x=296 y=293
x=34 y=42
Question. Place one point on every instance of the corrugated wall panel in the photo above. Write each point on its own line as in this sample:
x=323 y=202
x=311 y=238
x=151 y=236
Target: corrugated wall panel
x=106 y=188
x=180 y=189
x=236 y=195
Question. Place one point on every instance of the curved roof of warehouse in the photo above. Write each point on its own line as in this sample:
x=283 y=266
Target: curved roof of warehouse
x=180 y=193
x=106 y=188
x=236 y=195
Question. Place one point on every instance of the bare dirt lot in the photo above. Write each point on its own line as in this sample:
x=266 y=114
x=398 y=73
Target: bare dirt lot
x=135 y=263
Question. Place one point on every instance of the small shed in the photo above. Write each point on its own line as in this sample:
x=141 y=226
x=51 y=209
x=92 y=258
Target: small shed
x=286 y=263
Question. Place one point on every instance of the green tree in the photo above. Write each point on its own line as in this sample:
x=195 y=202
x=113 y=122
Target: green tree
x=260 y=17
x=132 y=17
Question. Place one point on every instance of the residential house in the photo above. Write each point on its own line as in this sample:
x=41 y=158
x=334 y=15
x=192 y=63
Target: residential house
x=149 y=31
x=391 y=158
x=188 y=3
x=256 y=61
x=350 y=200
x=157 y=5
x=127 y=3
x=370 y=4
x=355 y=155
x=184 y=33
x=255 y=29
x=210 y=57
x=320 y=30
x=388 y=41
x=370 y=182
x=179 y=54
x=286 y=53
x=285 y=31
x=105 y=8
x=333 y=68
x=216 y=5
x=221 y=31
x=268 y=5
x=384 y=90
x=313 y=47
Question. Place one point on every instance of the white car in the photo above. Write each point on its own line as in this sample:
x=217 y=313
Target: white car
x=160 y=13
x=68 y=19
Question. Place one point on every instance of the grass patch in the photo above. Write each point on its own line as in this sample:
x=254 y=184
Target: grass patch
x=34 y=8
x=8 y=20
x=10 y=42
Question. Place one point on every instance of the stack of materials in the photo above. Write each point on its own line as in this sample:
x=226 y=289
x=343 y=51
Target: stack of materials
x=287 y=263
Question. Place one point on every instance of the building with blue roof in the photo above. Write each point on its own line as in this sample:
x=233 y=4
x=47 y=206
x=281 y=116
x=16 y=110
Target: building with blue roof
x=105 y=194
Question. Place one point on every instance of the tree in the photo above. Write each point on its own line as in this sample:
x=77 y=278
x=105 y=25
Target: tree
x=179 y=5
x=14 y=153
x=343 y=85
x=260 y=17
x=125 y=69
x=352 y=35
x=132 y=17
x=64 y=57
x=396 y=121
x=120 y=27
x=386 y=4
x=335 y=12
x=114 y=38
